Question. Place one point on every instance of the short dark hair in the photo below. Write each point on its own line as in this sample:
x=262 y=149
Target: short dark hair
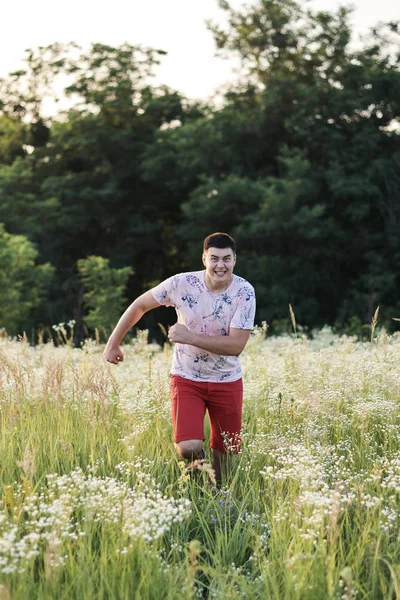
x=219 y=240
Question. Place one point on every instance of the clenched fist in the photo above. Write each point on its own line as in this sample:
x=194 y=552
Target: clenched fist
x=179 y=334
x=113 y=354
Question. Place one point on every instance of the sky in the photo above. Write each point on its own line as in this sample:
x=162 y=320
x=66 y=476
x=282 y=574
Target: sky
x=176 y=26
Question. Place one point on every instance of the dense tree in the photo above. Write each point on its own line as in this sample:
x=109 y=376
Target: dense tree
x=12 y=139
x=104 y=292
x=82 y=192
x=22 y=282
x=312 y=125
x=301 y=164
x=339 y=106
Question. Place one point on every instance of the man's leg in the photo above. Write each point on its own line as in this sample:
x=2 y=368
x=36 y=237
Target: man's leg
x=190 y=449
x=188 y=409
x=219 y=464
x=225 y=412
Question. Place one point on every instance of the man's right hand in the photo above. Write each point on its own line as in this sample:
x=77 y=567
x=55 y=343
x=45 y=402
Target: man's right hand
x=113 y=354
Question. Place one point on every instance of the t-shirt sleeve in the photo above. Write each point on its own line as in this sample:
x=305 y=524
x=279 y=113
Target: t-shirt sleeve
x=243 y=317
x=165 y=292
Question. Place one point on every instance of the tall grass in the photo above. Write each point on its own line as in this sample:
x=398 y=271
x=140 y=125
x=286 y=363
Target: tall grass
x=95 y=504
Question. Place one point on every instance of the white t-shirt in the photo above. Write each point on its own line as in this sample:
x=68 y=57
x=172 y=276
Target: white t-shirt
x=207 y=313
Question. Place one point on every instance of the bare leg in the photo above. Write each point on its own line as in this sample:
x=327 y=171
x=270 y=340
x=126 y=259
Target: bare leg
x=219 y=465
x=190 y=449
x=224 y=465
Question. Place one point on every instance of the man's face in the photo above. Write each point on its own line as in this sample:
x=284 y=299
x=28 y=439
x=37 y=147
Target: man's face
x=219 y=263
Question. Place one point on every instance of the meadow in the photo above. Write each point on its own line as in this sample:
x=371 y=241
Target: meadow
x=96 y=505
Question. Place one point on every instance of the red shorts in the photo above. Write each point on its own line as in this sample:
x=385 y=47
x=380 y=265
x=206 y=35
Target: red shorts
x=223 y=401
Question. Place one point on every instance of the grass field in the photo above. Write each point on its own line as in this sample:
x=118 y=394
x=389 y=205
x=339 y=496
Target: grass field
x=95 y=504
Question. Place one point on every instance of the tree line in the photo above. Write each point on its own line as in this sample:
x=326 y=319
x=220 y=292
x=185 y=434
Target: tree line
x=301 y=164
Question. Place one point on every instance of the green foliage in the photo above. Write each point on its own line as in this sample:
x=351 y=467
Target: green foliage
x=317 y=129
x=220 y=202
x=12 y=139
x=23 y=209
x=22 y=281
x=104 y=292
x=81 y=191
x=300 y=164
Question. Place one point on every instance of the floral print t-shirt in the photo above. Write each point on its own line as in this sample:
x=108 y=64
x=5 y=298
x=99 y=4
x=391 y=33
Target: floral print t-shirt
x=207 y=313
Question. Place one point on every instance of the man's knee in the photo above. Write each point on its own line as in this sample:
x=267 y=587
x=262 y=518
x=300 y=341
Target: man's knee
x=190 y=449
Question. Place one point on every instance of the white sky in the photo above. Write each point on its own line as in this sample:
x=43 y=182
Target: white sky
x=176 y=26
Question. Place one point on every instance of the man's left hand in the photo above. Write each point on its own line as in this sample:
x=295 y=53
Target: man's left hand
x=179 y=334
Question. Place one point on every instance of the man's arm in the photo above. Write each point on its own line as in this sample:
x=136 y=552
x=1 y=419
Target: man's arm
x=131 y=316
x=226 y=345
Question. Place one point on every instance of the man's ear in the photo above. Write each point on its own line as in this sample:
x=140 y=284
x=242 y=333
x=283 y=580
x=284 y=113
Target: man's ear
x=203 y=258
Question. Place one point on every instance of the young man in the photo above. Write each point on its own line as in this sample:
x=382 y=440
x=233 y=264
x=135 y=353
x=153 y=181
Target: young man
x=215 y=311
